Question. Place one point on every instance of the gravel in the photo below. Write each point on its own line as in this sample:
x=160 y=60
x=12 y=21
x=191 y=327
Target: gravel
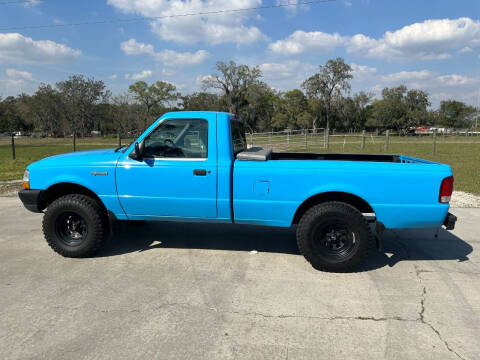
x=462 y=199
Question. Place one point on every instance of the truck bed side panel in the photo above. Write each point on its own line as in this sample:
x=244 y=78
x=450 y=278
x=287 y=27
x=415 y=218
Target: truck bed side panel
x=403 y=195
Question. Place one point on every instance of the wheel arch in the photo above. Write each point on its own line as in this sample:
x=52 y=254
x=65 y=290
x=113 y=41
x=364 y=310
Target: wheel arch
x=64 y=188
x=345 y=197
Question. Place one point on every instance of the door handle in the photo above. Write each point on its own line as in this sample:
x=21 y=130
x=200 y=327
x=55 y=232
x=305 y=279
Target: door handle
x=200 y=172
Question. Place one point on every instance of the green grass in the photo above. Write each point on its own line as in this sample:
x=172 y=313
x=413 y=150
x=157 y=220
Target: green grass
x=462 y=153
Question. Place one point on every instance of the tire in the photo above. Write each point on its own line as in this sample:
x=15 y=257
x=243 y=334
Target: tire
x=334 y=237
x=75 y=226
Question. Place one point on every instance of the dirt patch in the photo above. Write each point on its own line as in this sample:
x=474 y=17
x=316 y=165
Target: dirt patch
x=10 y=188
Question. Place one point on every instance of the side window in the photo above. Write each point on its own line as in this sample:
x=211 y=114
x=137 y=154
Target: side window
x=178 y=138
x=238 y=137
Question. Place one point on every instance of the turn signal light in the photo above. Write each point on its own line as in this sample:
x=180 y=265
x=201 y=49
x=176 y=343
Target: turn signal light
x=446 y=189
x=26 y=180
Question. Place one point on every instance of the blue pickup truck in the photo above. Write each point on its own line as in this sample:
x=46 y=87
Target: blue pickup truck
x=196 y=166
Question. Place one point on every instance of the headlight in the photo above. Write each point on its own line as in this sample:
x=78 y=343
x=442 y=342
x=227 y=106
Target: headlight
x=26 y=179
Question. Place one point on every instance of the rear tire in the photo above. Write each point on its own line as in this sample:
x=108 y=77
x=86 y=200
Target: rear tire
x=75 y=226
x=334 y=237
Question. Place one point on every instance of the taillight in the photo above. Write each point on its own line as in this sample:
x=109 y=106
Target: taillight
x=446 y=189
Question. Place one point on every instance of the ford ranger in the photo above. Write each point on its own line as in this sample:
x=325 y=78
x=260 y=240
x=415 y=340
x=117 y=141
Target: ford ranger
x=196 y=166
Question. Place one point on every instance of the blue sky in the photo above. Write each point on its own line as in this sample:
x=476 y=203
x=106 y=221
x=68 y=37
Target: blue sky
x=431 y=45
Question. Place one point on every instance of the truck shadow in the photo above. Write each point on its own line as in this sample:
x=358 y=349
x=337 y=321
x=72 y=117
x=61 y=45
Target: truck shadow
x=397 y=245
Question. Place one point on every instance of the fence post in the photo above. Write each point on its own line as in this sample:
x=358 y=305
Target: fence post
x=74 y=141
x=326 y=139
x=363 y=139
x=270 y=139
x=288 y=138
x=306 y=145
x=387 y=135
x=434 y=150
x=119 y=140
x=251 y=139
x=13 y=146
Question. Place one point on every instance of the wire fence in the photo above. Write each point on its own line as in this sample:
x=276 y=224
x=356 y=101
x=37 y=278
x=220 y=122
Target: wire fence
x=318 y=139
x=307 y=140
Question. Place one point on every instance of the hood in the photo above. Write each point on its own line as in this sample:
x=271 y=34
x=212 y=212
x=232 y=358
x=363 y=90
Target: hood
x=104 y=157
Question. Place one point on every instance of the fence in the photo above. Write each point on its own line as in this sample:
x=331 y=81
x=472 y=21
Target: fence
x=318 y=139
x=287 y=140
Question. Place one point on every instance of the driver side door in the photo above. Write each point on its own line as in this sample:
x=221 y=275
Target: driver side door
x=177 y=177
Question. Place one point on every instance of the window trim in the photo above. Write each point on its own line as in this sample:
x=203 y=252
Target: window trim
x=178 y=158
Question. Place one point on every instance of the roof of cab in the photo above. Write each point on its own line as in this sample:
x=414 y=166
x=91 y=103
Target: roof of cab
x=230 y=116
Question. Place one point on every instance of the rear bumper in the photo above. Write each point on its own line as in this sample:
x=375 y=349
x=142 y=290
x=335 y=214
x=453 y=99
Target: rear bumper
x=31 y=199
x=449 y=222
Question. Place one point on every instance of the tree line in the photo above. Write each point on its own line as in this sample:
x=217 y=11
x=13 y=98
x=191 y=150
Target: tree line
x=81 y=105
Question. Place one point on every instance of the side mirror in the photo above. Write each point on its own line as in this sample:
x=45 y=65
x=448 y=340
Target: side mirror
x=137 y=153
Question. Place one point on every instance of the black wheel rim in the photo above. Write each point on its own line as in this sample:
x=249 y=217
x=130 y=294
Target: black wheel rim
x=333 y=239
x=71 y=228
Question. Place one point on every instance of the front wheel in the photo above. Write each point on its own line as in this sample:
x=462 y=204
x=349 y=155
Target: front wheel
x=75 y=226
x=334 y=237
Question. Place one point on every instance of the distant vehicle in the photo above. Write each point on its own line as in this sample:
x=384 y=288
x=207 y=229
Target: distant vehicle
x=195 y=166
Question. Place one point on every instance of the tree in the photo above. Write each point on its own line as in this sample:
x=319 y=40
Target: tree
x=233 y=81
x=46 y=110
x=401 y=109
x=123 y=113
x=202 y=101
x=332 y=80
x=80 y=97
x=293 y=111
x=258 y=106
x=456 y=114
x=11 y=118
x=153 y=96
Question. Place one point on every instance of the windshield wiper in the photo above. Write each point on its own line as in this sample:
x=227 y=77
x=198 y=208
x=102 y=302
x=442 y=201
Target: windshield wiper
x=118 y=148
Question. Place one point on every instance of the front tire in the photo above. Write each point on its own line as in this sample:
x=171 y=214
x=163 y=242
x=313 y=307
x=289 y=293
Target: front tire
x=334 y=237
x=75 y=226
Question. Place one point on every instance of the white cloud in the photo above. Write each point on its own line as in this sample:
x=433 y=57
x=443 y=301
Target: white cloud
x=133 y=47
x=301 y=42
x=168 y=72
x=439 y=86
x=30 y=3
x=466 y=49
x=362 y=71
x=19 y=49
x=113 y=77
x=139 y=76
x=167 y=57
x=17 y=82
x=19 y=75
x=428 y=40
x=431 y=39
x=202 y=78
x=215 y=29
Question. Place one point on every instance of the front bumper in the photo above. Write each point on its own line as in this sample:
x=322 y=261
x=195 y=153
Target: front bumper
x=31 y=199
x=449 y=222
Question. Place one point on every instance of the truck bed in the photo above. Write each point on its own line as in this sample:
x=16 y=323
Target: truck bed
x=338 y=157
x=260 y=154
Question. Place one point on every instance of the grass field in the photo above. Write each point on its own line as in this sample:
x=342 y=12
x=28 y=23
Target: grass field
x=462 y=153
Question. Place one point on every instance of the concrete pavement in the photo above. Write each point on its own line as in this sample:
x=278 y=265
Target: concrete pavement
x=191 y=291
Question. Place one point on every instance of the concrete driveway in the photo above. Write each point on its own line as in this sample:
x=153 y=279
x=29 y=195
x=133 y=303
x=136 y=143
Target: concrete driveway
x=189 y=291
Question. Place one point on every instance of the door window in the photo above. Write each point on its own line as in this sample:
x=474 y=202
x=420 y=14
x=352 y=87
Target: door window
x=178 y=138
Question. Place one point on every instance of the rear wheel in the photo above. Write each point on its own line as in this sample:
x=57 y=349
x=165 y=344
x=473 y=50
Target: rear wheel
x=75 y=226
x=334 y=237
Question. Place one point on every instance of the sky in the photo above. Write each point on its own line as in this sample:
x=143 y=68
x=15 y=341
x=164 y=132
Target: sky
x=433 y=45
